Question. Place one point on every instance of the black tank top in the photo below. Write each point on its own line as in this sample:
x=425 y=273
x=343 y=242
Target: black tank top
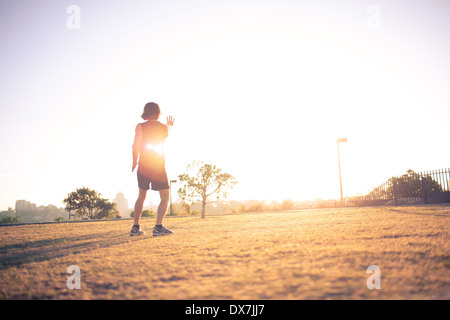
x=151 y=158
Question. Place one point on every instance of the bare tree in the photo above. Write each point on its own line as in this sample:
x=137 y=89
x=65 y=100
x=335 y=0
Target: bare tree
x=202 y=181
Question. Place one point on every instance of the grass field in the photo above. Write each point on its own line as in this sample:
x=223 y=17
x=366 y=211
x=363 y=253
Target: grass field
x=311 y=254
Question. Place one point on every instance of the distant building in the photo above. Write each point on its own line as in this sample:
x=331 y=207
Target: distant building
x=122 y=203
x=29 y=212
x=23 y=205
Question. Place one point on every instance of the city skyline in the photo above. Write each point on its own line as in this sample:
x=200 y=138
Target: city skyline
x=23 y=204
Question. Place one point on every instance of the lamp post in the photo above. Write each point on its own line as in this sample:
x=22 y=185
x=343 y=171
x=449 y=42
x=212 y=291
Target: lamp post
x=170 y=188
x=339 y=163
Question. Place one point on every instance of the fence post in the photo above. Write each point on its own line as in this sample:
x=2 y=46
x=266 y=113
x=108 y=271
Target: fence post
x=395 y=191
x=424 y=190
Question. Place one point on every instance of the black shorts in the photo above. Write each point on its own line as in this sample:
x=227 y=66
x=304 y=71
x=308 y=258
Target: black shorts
x=158 y=183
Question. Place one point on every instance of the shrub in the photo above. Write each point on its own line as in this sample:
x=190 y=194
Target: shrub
x=10 y=219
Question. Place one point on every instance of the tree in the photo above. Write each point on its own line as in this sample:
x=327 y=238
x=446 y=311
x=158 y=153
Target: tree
x=186 y=207
x=412 y=184
x=203 y=180
x=408 y=185
x=9 y=216
x=88 y=204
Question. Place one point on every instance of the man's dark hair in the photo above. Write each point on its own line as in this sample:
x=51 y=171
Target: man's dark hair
x=151 y=111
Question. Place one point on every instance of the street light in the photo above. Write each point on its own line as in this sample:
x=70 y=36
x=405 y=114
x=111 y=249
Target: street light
x=170 y=188
x=339 y=163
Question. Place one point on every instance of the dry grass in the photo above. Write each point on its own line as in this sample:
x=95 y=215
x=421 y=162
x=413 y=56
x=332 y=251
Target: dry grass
x=312 y=254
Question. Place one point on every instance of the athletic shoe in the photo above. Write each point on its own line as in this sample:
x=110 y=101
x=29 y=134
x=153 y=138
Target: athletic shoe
x=161 y=231
x=135 y=231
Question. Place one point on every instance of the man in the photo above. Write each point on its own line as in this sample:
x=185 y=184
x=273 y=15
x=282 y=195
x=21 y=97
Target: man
x=148 y=146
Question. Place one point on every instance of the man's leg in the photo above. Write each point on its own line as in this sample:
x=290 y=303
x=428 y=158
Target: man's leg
x=139 y=205
x=163 y=205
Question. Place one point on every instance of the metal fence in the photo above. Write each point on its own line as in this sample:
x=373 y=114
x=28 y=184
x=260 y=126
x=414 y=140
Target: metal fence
x=408 y=189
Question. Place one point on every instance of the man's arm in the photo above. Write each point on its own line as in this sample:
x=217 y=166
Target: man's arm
x=136 y=146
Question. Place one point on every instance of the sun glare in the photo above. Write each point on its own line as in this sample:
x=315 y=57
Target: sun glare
x=158 y=148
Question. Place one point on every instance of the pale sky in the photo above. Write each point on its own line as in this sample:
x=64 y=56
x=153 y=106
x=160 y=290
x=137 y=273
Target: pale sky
x=260 y=88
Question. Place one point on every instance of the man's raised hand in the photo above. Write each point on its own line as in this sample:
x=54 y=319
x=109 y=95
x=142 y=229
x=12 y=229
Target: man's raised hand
x=170 y=121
